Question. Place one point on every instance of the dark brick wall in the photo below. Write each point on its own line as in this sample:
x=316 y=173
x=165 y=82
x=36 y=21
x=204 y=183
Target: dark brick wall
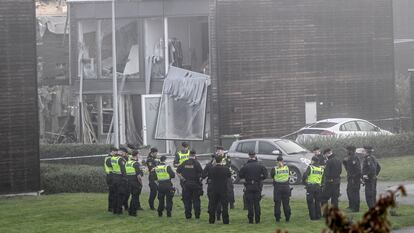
x=19 y=132
x=270 y=56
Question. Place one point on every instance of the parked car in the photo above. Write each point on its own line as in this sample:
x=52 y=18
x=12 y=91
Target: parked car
x=339 y=127
x=267 y=150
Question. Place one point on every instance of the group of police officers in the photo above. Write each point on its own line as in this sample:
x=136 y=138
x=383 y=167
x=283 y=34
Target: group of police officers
x=321 y=180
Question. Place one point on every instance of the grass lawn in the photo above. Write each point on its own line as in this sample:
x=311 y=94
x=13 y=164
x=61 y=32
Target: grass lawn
x=87 y=213
x=397 y=168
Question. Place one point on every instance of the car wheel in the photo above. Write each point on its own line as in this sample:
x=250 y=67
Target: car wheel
x=294 y=175
x=234 y=174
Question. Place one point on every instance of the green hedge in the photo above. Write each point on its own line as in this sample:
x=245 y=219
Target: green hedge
x=68 y=150
x=58 y=178
x=384 y=146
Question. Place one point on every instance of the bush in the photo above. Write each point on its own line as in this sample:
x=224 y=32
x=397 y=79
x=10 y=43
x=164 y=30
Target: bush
x=384 y=146
x=57 y=178
x=68 y=150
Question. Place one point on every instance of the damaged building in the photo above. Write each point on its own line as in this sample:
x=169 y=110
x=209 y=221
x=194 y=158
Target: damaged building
x=198 y=70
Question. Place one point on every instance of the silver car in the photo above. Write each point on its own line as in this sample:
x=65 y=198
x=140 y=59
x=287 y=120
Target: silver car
x=267 y=150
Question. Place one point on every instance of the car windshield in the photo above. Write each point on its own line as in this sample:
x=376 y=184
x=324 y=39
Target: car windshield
x=290 y=147
x=323 y=125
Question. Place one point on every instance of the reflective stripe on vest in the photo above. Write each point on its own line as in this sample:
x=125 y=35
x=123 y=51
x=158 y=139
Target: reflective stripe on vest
x=315 y=176
x=108 y=170
x=281 y=174
x=162 y=173
x=182 y=157
x=129 y=167
x=115 y=165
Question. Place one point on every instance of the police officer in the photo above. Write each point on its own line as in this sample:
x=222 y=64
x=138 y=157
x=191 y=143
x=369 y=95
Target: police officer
x=253 y=173
x=321 y=158
x=219 y=176
x=205 y=175
x=163 y=175
x=370 y=171
x=126 y=155
x=281 y=190
x=108 y=171
x=226 y=161
x=190 y=172
x=119 y=181
x=352 y=166
x=134 y=175
x=331 y=179
x=312 y=179
x=151 y=162
x=182 y=155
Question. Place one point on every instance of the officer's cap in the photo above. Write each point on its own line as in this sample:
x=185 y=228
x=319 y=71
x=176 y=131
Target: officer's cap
x=351 y=148
x=163 y=158
x=130 y=146
x=184 y=144
x=219 y=148
x=316 y=148
x=153 y=150
x=327 y=150
x=252 y=153
x=193 y=152
x=114 y=148
x=135 y=152
x=279 y=158
x=123 y=150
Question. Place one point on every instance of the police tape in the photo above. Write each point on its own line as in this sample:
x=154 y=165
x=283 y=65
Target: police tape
x=99 y=156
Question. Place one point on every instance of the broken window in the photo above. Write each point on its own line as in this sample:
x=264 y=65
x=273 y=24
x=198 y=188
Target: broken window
x=182 y=109
x=107 y=113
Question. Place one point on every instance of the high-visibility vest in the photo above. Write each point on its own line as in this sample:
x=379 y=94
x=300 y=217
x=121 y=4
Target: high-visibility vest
x=182 y=157
x=129 y=167
x=162 y=173
x=108 y=170
x=315 y=176
x=115 y=165
x=281 y=174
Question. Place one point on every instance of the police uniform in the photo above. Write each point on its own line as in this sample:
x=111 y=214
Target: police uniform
x=163 y=175
x=352 y=166
x=230 y=187
x=109 y=182
x=191 y=171
x=219 y=176
x=253 y=173
x=281 y=191
x=133 y=170
x=151 y=163
x=370 y=171
x=119 y=183
x=181 y=156
x=332 y=181
x=205 y=175
x=313 y=180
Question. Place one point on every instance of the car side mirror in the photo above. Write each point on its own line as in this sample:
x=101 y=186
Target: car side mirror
x=276 y=152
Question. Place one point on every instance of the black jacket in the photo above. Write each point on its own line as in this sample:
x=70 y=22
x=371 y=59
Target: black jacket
x=370 y=167
x=253 y=173
x=191 y=170
x=333 y=170
x=219 y=175
x=352 y=166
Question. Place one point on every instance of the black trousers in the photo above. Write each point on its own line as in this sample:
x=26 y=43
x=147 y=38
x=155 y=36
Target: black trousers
x=281 y=196
x=111 y=191
x=120 y=185
x=218 y=199
x=134 y=191
x=331 y=192
x=253 y=205
x=210 y=202
x=352 y=190
x=371 y=192
x=191 y=198
x=153 y=193
x=230 y=191
x=313 y=199
x=165 y=198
